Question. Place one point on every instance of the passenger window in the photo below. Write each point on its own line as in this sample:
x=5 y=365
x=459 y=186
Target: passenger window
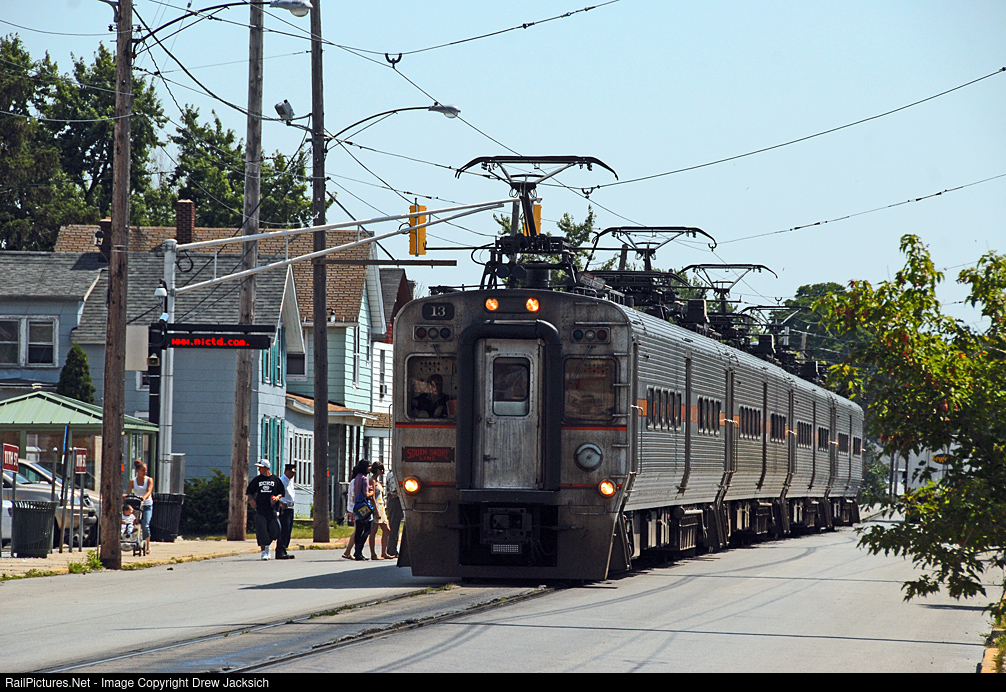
x=590 y=391
x=511 y=384
x=432 y=388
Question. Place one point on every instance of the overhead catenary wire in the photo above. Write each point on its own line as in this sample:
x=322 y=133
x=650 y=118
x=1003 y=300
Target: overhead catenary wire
x=797 y=140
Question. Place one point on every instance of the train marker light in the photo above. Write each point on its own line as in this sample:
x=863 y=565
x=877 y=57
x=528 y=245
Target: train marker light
x=532 y=305
x=492 y=304
x=411 y=486
x=606 y=488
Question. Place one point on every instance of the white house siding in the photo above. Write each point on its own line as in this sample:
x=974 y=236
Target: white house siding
x=381 y=388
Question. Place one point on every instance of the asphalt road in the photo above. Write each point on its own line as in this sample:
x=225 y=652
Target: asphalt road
x=816 y=603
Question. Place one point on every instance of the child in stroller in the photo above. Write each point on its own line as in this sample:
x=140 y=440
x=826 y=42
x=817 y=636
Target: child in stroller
x=131 y=538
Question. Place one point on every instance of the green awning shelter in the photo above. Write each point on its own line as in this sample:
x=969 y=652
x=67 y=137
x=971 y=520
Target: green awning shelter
x=37 y=423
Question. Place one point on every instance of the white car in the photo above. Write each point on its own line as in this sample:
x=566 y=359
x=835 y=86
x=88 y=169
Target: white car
x=5 y=521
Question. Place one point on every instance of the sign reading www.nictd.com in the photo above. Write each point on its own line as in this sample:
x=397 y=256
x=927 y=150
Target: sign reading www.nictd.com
x=10 y=458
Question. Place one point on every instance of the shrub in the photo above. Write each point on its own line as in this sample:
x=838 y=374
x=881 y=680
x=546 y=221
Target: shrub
x=205 y=509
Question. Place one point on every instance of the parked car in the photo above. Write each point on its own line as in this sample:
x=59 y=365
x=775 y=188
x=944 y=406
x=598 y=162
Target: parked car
x=26 y=490
x=5 y=522
x=37 y=473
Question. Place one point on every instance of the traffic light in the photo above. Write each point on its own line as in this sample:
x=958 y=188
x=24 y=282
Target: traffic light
x=417 y=236
x=537 y=221
x=157 y=335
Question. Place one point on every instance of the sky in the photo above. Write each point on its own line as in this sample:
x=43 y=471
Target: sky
x=647 y=88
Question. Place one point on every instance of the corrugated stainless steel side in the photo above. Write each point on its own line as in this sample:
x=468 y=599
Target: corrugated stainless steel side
x=803 y=407
x=758 y=473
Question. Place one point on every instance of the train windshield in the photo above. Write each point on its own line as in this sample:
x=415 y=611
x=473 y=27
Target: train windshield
x=510 y=386
x=590 y=389
x=433 y=389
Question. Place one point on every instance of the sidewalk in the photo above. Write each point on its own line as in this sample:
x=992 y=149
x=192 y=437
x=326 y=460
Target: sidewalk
x=182 y=550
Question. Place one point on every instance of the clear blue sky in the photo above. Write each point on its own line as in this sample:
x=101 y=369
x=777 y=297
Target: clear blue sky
x=646 y=87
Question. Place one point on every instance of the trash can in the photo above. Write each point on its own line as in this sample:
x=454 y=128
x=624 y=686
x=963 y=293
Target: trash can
x=166 y=517
x=32 y=528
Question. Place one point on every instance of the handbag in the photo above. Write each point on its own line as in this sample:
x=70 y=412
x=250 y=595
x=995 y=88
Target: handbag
x=363 y=510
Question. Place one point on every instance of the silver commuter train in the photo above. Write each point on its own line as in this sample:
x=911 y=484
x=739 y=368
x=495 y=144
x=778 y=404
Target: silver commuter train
x=552 y=435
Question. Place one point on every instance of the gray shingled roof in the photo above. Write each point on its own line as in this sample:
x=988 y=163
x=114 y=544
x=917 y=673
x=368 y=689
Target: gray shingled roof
x=48 y=274
x=391 y=279
x=214 y=305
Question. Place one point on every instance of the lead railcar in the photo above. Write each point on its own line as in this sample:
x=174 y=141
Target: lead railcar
x=558 y=434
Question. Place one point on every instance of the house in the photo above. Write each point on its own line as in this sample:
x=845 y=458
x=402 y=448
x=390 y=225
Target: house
x=42 y=296
x=358 y=321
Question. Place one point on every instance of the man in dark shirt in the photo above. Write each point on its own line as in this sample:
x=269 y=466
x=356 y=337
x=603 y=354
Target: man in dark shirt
x=264 y=492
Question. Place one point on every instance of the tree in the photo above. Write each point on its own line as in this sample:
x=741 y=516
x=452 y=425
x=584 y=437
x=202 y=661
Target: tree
x=933 y=382
x=211 y=173
x=81 y=110
x=75 y=377
x=36 y=198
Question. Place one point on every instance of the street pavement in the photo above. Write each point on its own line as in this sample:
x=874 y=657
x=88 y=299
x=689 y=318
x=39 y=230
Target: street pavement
x=816 y=603
x=63 y=620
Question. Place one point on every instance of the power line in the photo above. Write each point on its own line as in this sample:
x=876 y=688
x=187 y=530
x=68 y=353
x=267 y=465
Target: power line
x=588 y=191
x=868 y=211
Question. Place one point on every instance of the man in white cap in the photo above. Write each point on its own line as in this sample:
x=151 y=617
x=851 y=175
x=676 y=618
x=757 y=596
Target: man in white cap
x=264 y=491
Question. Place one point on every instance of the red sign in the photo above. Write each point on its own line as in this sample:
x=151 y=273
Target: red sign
x=79 y=460
x=10 y=453
x=430 y=455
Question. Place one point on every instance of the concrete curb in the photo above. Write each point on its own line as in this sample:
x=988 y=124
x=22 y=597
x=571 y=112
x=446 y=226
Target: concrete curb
x=988 y=664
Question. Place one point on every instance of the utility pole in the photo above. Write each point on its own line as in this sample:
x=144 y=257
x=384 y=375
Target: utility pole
x=320 y=286
x=113 y=401
x=238 y=511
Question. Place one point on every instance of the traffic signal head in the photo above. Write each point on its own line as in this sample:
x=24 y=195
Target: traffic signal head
x=417 y=236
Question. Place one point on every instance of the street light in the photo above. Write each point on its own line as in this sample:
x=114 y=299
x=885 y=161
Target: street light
x=286 y=114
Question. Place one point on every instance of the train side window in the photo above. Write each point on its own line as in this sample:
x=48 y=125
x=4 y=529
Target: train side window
x=804 y=434
x=432 y=387
x=590 y=391
x=857 y=446
x=843 y=443
x=649 y=407
x=823 y=438
x=511 y=386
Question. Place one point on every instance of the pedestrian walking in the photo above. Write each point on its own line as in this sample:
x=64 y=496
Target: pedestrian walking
x=286 y=510
x=264 y=492
x=395 y=512
x=142 y=486
x=380 y=512
x=363 y=507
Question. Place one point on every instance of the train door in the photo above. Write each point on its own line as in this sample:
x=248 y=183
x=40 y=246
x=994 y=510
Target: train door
x=729 y=432
x=508 y=417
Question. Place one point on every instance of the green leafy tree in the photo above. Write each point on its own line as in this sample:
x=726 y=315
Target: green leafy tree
x=211 y=172
x=81 y=109
x=36 y=197
x=933 y=382
x=75 y=377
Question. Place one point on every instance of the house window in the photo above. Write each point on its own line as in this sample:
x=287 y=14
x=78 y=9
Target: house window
x=29 y=342
x=356 y=356
x=296 y=365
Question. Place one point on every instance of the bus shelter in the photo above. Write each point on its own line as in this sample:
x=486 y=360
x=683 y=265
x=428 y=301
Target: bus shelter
x=43 y=424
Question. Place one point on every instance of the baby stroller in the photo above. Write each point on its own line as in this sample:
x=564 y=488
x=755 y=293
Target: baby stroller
x=133 y=540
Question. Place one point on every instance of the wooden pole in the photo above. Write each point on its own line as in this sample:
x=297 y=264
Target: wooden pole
x=238 y=511
x=114 y=394
x=320 y=288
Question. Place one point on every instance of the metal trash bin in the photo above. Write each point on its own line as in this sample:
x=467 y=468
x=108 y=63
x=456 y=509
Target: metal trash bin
x=32 y=525
x=166 y=517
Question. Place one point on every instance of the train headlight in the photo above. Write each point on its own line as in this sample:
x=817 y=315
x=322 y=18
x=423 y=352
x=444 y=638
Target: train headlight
x=492 y=305
x=532 y=305
x=588 y=456
x=411 y=486
x=606 y=488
